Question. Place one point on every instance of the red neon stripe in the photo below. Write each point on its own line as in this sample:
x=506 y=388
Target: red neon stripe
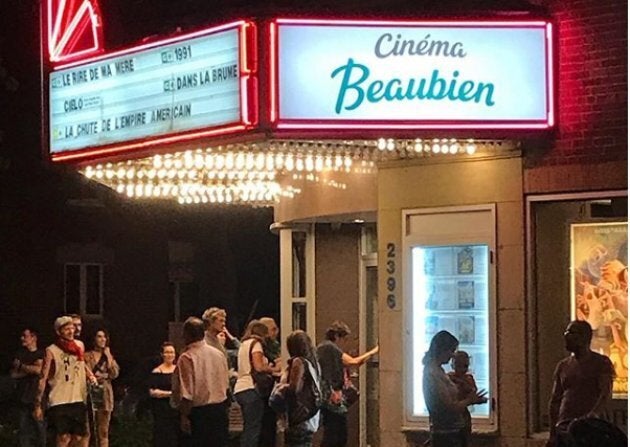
x=550 y=78
x=340 y=126
x=68 y=24
x=435 y=23
x=273 y=86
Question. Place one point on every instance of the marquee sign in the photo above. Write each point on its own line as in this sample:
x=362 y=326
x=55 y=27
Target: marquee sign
x=190 y=86
x=411 y=75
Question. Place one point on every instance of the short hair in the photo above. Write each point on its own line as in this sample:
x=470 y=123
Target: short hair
x=33 y=331
x=193 y=330
x=460 y=356
x=75 y=316
x=441 y=342
x=255 y=329
x=212 y=314
x=337 y=329
x=584 y=327
x=268 y=321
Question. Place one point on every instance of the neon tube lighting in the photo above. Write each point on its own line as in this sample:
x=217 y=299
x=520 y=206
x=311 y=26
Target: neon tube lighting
x=72 y=27
x=154 y=44
x=388 y=126
x=61 y=41
x=474 y=23
x=244 y=100
x=273 y=104
x=550 y=75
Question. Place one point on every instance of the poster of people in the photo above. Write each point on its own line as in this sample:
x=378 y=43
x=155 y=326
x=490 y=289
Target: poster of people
x=599 y=261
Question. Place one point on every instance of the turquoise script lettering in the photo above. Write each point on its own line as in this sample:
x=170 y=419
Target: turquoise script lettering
x=356 y=87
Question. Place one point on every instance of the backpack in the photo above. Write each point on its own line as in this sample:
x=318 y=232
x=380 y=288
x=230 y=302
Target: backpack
x=306 y=404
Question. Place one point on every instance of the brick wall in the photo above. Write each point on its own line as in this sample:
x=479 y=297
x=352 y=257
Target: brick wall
x=592 y=87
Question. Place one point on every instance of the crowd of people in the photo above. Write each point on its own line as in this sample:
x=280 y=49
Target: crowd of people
x=582 y=389
x=68 y=390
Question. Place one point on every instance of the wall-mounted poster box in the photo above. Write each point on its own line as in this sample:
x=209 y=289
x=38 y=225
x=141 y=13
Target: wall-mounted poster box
x=599 y=291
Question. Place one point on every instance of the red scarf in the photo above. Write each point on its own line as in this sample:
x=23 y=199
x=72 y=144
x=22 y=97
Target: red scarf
x=70 y=347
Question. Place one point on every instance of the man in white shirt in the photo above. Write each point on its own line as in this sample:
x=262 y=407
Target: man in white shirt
x=201 y=389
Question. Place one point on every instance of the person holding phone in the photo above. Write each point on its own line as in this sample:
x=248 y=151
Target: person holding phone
x=447 y=411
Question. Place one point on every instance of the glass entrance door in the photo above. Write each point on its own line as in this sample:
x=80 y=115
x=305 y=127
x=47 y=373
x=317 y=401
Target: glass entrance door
x=369 y=374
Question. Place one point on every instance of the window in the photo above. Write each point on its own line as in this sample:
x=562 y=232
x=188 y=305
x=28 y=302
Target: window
x=297 y=280
x=577 y=242
x=83 y=289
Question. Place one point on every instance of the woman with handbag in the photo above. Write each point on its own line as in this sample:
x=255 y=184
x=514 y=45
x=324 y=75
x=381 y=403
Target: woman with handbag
x=338 y=391
x=254 y=383
x=104 y=367
x=303 y=393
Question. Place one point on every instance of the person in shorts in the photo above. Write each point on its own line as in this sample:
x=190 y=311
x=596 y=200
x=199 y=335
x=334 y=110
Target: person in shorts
x=66 y=374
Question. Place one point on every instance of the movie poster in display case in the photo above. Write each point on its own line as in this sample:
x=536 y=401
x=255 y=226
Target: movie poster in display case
x=599 y=291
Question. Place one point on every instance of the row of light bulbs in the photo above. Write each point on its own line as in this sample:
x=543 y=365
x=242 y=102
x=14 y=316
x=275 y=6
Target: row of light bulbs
x=248 y=172
x=435 y=146
x=261 y=192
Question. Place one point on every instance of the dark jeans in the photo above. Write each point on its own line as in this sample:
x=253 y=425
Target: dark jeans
x=268 y=429
x=335 y=429
x=209 y=425
x=31 y=432
x=253 y=408
x=456 y=439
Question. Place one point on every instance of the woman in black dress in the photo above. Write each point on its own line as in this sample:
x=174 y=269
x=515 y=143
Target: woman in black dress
x=166 y=432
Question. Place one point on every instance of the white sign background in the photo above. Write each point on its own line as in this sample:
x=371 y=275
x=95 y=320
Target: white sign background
x=146 y=91
x=513 y=59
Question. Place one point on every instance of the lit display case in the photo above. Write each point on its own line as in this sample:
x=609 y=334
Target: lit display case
x=449 y=284
x=450 y=292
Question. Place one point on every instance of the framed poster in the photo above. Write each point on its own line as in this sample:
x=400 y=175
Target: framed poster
x=599 y=291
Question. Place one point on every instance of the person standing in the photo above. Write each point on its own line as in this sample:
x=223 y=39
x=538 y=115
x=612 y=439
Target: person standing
x=271 y=350
x=214 y=320
x=272 y=345
x=441 y=396
x=251 y=400
x=303 y=378
x=78 y=325
x=166 y=432
x=27 y=367
x=78 y=331
x=66 y=374
x=103 y=365
x=582 y=382
x=200 y=391
x=333 y=361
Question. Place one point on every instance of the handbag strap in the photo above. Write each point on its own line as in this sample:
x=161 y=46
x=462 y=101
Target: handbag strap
x=251 y=348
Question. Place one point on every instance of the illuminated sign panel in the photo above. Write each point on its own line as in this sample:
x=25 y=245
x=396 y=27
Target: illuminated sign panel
x=184 y=85
x=348 y=74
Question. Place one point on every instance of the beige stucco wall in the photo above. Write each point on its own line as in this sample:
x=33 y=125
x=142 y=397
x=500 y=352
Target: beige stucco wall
x=499 y=181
